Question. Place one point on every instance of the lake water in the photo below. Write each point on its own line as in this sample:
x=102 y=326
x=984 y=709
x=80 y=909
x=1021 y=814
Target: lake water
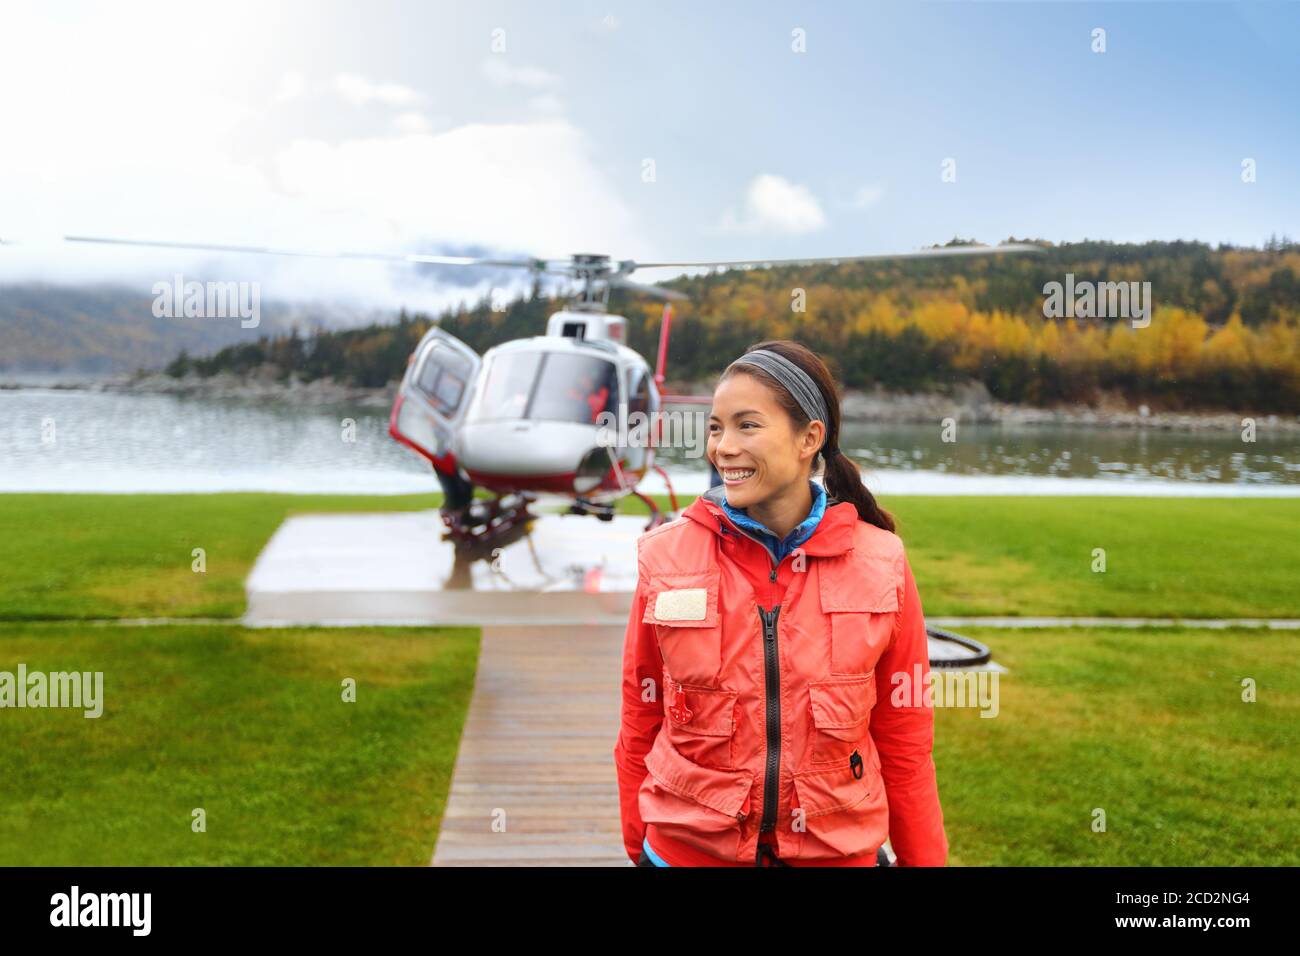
x=56 y=440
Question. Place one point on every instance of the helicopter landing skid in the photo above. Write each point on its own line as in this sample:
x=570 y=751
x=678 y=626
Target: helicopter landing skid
x=484 y=520
x=657 y=516
x=584 y=507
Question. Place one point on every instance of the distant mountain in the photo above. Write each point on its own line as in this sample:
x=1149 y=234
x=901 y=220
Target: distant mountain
x=107 y=330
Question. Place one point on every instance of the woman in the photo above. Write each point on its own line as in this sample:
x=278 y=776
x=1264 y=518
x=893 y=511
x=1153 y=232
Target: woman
x=776 y=705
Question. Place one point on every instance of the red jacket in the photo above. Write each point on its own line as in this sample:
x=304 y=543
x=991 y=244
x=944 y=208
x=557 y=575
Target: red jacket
x=790 y=700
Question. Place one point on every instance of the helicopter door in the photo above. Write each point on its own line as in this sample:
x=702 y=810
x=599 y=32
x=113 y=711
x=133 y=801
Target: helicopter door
x=434 y=393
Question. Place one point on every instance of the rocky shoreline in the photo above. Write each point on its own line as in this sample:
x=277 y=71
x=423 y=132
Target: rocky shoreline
x=973 y=404
x=254 y=387
x=969 y=403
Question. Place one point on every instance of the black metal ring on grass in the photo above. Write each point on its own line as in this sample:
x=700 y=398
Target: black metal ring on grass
x=980 y=652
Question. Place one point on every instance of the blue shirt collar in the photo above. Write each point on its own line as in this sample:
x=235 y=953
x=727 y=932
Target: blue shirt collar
x=802 y=532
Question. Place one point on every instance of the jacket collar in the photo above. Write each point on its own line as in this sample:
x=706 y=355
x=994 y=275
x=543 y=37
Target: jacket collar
x=780 y=547
x=833 y=534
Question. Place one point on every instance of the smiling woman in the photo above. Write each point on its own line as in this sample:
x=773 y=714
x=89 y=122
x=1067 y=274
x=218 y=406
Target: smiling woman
x=796 y=758
x=772 y=445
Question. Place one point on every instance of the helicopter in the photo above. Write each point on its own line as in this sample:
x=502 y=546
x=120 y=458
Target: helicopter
x=532 y=416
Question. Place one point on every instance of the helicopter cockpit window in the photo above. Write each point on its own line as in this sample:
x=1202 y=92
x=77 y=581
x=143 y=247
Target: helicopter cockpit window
x=443 y=378
x=507 y=385
x=549 y=386
x=575 y=388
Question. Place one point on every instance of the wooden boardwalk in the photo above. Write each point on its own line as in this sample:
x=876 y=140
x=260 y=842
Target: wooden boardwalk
x=537 y=752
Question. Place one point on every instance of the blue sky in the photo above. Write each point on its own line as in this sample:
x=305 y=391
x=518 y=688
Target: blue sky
x=398 y=125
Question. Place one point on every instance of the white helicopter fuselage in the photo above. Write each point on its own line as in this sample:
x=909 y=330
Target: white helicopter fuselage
x=527 y=416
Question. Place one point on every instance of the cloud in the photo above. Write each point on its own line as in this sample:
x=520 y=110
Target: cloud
x=867 y=196
x=498 y=72
x=412 y=123
x=360 y=91
x=529 y=186
x=292 y=86
x=98 y=152
x=776 y=205
x=546 y=105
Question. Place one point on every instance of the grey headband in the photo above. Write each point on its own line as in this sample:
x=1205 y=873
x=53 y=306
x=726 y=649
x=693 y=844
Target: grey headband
x=796 y=381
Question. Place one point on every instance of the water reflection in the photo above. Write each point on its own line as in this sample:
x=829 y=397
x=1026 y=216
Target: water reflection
x=72 y=441
x=1070 y=452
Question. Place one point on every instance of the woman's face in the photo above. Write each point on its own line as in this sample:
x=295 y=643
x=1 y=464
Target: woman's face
x=750 y=433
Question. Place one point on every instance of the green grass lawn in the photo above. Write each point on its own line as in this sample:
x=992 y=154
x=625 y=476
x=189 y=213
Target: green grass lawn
x=91 y=556
x=85 y=556
x=1165 y=557
x=1147 y=725
x=248 y=725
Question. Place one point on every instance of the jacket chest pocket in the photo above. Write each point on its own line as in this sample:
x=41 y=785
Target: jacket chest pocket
x=701 y=722
x=860 y=602
x=841 y=718
x=683 y=607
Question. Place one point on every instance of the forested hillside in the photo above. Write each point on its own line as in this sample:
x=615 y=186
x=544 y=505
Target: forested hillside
x=1224 y=330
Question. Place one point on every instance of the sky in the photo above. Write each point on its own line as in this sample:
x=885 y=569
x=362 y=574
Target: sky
x=653 y=132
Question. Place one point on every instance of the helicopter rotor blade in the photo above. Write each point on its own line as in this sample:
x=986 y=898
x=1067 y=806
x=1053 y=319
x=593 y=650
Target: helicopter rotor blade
x=414 y=258
x=586 y=267
x=932 y=253
x=655 y=291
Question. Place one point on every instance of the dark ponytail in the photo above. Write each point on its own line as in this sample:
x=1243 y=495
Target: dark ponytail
x=842 y=479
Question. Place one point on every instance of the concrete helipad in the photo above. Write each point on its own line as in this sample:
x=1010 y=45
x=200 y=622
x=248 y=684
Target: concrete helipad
x=351 y=569
x=344 y=570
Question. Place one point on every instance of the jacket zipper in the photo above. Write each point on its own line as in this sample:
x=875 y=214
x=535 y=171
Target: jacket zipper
x=772 y=674
x=772 y=687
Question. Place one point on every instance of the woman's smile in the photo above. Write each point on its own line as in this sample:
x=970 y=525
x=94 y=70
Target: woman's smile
x=736 y=476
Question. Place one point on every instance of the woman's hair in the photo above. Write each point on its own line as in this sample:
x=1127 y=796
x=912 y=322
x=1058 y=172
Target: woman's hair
x=842 y=479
